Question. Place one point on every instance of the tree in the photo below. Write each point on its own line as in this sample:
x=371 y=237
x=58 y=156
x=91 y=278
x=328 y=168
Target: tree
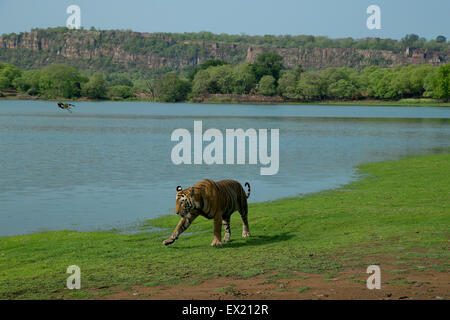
x=342 y=83
x=441 y=39
x=437 y=83
x=312 y=86
x=4 y=83
x=60 y=81
x=7 y=75
x=201 y=83
x=224 y=79
x=267 y=63
x=267 y=86
x=409 y=39
x=364 y=77
x=381 y=84
x=243 y=79
x=400 y=84
x=28 y=82
x=287 y=84
x=298 y=70
x=121 y=81
x=121 y=91
x=205 y=65
x=343 y=89
x=221 y=79
x=172 y=89
x=95 y=88
x=417 y=76
x=212 y=63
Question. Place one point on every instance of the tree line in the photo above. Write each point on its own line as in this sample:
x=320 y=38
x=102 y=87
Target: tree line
x=61 y=81
x=266 y=76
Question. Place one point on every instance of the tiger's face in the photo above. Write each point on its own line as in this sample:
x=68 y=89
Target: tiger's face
x=184 y=202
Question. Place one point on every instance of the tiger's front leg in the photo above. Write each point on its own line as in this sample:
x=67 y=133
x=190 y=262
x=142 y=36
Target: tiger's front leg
x=182 y=225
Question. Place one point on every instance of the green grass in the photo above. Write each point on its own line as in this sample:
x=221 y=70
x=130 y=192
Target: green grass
x=400 y=208
x=228 y=289
x=399 y=271
x=303 y=289
x=329 y=276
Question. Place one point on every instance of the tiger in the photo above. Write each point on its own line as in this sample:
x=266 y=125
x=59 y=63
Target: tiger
x=212 y=200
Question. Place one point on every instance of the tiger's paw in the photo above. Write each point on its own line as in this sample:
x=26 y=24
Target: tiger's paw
x=216 y=243
x=168 y=241
x=245 y=234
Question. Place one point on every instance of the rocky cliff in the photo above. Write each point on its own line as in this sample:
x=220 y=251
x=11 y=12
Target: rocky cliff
x=317 y=58
x=131 y=51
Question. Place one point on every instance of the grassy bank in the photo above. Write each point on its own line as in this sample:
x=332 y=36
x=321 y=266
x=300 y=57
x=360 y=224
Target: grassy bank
x=399 y=207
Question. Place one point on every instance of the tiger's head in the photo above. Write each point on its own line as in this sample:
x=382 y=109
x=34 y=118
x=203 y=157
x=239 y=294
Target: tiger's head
x=184 y=201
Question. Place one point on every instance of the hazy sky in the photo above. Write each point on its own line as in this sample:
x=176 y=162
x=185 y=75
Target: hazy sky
x=333 y=18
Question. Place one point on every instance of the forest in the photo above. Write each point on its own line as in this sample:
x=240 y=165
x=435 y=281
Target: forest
x=267 y=76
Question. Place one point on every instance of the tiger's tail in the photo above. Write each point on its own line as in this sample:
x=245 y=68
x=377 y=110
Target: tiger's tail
x=248 y=186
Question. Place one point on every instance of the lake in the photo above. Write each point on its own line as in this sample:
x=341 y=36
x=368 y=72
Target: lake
x=108 y=164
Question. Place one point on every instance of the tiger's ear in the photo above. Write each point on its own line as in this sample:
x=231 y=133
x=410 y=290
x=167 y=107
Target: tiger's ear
x=192 y=191
x=179 y=188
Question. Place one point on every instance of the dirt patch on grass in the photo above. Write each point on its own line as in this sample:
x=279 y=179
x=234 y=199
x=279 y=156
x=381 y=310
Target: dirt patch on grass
x=400 y=279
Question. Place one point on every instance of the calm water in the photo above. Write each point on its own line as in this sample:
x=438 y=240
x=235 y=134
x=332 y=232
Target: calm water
x=107 y=165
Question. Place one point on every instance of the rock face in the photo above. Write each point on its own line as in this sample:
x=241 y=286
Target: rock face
x=112 y=50
x=131 y=51
x=318 y=58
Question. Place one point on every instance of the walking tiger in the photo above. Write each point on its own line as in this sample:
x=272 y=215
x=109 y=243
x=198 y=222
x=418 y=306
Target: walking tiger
x=213 y=200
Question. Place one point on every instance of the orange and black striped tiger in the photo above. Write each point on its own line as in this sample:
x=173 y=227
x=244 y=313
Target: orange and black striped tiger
x=213 y=200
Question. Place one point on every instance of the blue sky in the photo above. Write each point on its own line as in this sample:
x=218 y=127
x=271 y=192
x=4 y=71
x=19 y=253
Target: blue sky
x=333 y=18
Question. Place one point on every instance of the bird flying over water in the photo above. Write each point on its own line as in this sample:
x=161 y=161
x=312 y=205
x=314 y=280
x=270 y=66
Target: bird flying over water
x=66 y=106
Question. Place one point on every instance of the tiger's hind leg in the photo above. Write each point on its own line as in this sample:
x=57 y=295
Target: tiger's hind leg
x=226 y=228
x=217 y=241
x=244 y=215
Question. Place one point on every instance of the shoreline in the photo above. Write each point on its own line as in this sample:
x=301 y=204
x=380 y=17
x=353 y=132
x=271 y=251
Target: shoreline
x=397 y=208
x=364 y=103
x=145 y=226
